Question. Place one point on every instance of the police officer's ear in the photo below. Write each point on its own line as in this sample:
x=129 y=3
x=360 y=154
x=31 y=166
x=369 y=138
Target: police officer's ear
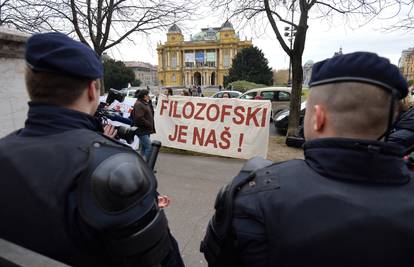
x=94 y=90
x=319 y=119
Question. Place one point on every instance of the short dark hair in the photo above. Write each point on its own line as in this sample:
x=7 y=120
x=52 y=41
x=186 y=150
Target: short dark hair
x=355 y=109
x=142 y=93
x=54 y=88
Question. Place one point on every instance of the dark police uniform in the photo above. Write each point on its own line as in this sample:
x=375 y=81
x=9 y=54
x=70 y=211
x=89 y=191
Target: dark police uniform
x=349 y=203
x=403 y=132
x=72 y=194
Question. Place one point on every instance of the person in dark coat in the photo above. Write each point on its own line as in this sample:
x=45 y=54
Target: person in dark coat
x=350 y=202
x=143 y=118
x=403 y=133
x=67 y=190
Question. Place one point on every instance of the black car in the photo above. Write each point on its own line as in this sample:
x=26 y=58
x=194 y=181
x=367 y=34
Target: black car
x=281 y=119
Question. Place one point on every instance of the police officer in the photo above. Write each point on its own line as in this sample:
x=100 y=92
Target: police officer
x=403 y=132
x=66 y=190
x=350 y=202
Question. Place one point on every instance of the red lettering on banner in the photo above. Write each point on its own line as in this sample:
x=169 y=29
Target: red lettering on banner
x=175 y=114
x=238 y=111
x=171 y=108
x=172 y=138
x=209 y=112
x=198 y=137
x=197 y=116
x=190 y=104
x=225 y=138
x=224 y=112
x=163 y=106
x=211 y=139
x=264 y=117
x=252 y=116
x=182 y=133
x=239 y=115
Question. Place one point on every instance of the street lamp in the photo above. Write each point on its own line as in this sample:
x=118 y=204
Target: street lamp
x=290 y=32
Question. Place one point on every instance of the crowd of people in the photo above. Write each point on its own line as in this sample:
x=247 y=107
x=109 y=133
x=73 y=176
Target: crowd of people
x=72 y=193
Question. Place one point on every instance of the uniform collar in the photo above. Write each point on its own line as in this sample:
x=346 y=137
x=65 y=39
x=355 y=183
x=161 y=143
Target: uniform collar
x=44 y=119
x=357 y=160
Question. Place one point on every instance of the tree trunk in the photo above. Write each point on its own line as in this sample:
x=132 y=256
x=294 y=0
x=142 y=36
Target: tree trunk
x=295 y=98
x=297 y=71
x=102 y=79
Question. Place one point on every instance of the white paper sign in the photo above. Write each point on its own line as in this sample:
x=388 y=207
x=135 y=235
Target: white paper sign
x=227 y=127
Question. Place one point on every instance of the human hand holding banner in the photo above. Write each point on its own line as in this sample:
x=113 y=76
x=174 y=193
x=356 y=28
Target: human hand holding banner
x=227 y=127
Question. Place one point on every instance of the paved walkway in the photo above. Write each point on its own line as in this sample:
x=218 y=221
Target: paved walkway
x=192 y=183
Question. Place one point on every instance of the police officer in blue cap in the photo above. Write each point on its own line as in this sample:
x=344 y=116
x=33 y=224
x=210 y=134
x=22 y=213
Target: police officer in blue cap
x=350 y=202
x=67 y=191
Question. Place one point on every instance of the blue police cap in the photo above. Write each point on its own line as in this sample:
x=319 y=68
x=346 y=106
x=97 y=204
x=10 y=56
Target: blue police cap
x=57 y=53
x=360 y=67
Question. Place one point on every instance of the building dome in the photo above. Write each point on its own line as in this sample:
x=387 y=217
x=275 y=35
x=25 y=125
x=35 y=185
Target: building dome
x=174 y=29
x=227 y=25
x=210 y=34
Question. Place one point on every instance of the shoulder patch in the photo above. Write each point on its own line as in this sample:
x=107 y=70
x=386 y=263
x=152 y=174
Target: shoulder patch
x=264 y=179
x=269 y=178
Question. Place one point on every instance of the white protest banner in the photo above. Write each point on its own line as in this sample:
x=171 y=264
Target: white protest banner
x=219 y=126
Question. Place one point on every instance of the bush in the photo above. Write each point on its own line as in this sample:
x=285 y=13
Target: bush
x=243 y=86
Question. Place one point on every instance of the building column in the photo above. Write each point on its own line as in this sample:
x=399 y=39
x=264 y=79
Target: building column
x=177 y=54
x=221 y=57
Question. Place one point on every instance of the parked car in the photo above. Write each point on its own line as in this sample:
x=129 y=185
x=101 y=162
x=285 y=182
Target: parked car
x=130 y=92
x=281 y=118
x=279 y=96
x=233 y=94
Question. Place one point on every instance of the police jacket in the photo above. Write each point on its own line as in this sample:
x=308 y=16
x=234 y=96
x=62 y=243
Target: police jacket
x=403 y=133
x=50 y=204
x=349 y=203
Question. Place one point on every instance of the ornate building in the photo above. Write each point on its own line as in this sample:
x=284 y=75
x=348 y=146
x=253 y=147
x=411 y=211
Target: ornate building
x=203 y=60
x=406 y=63
x=143 y=71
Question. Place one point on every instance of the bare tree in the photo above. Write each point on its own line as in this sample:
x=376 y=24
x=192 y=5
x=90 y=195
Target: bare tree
x=100 y=23
x=406 y=21
x=280 y=13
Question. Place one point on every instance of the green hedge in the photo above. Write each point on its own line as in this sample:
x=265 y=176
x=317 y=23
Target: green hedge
x=243 y=86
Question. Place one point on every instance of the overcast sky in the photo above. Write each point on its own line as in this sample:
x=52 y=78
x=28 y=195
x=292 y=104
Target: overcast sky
x=323 y=39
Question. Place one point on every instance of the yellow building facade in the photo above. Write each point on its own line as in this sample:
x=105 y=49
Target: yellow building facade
x=203 y=60
x=406 y=64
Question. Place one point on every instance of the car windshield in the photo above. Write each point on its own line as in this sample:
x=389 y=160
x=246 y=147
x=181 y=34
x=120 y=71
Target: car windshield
x=250 y=95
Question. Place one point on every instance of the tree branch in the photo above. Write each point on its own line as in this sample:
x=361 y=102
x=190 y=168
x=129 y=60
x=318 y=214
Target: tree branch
x=275 y=28
x=330 y=6
x=76 y=23
x=90 y=23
